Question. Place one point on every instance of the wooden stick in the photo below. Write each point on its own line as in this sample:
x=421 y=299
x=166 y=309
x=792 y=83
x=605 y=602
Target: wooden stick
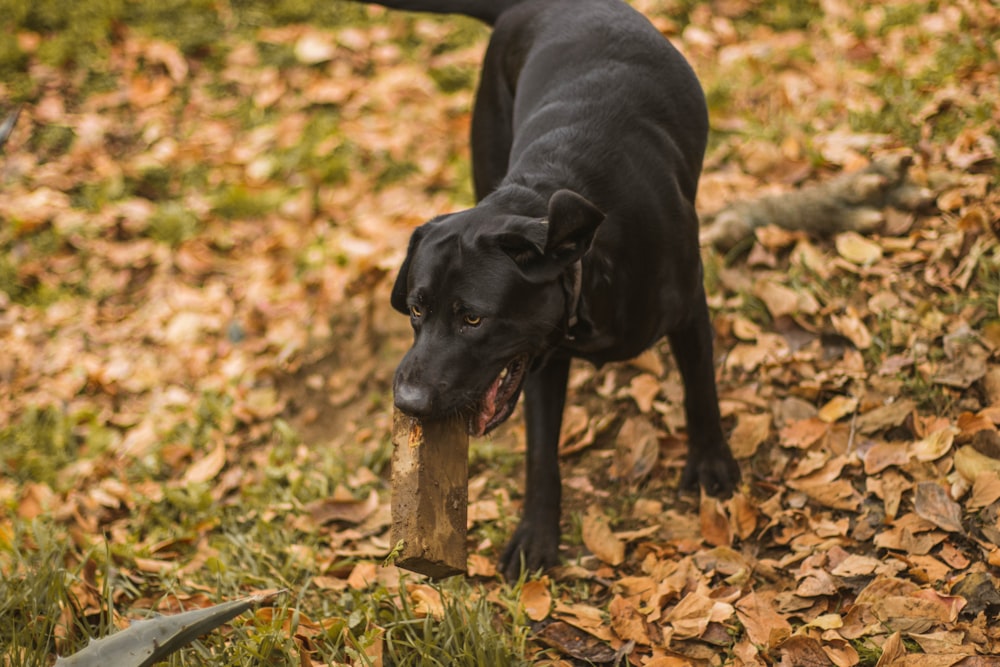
x=430 y=494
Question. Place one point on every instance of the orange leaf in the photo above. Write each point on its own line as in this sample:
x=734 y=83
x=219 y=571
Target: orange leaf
x=597 y=537
x=536 y=598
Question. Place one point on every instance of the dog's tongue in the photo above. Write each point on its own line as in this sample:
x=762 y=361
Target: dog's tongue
x=487 y=408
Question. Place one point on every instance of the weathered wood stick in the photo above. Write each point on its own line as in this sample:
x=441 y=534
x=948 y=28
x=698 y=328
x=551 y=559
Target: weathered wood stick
x=430 y=494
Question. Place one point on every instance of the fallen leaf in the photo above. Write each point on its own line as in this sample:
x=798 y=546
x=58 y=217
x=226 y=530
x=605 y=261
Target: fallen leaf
x=627 y=622
x=715 y=527
x=207 y=467
x=892 y=650
x=637 y=449
x=985 y=490
x=597 y=537
x=536 y=598
x=576 y=643
x=350 y=510
x=804 y=433
x=837 y=408
x=850 y=326
x=881 y=455
x=764 y=626
x=643 y=389
x=885 y=416
x=970 y=463
x=750 y=432
x=935 y=445
x=691 y=616
x=933 y=503
x=858 y=249
x=426 y=601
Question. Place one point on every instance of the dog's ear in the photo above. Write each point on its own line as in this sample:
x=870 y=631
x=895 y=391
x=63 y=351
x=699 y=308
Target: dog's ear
x=544 y=249
x=573 y=221
x=523 y=241
x=400 y=289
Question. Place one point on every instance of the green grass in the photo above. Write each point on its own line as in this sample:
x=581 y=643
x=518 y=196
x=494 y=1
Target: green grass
x=243 y=543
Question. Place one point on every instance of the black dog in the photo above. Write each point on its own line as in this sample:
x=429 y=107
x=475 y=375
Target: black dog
x=588 y=135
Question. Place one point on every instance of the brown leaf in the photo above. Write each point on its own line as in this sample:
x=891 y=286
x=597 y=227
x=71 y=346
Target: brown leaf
x=597 y=537
x=637 y=449
x=935 y=445
x=426 y=601
x=804 y=433
x=627 y=622
x=764 y=626
x=881 y=455
x=803 y=651
x=837 y=407
x=536 y=598
x=970 y=463
x=892 y=650
x=850 y=326
x=576 y=643
x=576 y=433
x=207 y=467
x=858 y=249
x=781 y=300
x=643 y=389
x=750 y=432
x=743 y=515
x=691 y=616
x=715 y=527
x=350 y=510
x=985 y=490
x=933 y=503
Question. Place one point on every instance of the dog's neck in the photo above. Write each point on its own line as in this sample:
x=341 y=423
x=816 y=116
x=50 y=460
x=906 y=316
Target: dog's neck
x=573 y=285
x=519 y=199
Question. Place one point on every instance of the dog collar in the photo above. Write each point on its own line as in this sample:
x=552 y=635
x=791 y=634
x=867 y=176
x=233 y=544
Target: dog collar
x=573 y=284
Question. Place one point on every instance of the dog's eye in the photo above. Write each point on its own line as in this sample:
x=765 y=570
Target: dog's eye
x=473 y=320
x=415 y=311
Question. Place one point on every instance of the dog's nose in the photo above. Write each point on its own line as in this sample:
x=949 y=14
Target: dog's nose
x=412 y=400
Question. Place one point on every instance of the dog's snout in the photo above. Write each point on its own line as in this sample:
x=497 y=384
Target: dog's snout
x=413 y=400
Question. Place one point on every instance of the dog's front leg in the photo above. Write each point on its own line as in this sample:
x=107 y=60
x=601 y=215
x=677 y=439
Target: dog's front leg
x=535 y=543
x=710 y=462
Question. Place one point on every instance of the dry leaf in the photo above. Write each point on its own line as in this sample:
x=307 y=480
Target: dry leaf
x=837 y=407
x=935 y=445
x=628 y=623
x=750 y=432
x=637 y=449
x=764 y=626
x=850 y=326
x=933 y=503
x=857 y=249
x=643 y=389
x=536 y=598
x=207 y=467
x=715 y=528
x=350 y=510
x=426 y=601
x=597 y=537
x=970 y=463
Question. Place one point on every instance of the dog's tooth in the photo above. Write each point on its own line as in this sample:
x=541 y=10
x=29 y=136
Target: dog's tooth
x=503 y=373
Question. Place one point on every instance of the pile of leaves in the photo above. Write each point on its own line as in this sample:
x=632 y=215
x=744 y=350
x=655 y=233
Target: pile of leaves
x=197 y=236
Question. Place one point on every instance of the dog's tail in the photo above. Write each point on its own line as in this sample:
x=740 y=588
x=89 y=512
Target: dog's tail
x=487 y=11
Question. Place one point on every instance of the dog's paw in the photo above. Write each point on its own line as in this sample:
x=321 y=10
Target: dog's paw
x=718 y=474
x=529 y=550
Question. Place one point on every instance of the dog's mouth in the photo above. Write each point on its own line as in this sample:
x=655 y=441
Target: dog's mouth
x=500 y=398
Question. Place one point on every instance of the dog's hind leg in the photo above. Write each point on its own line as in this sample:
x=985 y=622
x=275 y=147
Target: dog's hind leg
x=535 y=543
x=710 y=462
x=492 y=126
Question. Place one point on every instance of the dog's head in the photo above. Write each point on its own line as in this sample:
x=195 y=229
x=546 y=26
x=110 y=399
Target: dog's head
x=486 y=296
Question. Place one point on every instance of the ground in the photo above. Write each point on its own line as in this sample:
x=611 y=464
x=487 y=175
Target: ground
x=202 y=208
